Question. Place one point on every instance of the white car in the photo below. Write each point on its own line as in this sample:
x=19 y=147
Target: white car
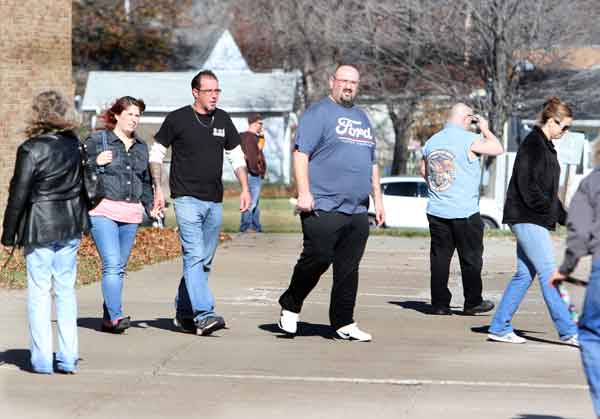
x=405 y=202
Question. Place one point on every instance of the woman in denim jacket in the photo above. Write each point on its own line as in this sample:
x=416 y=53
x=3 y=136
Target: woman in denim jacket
x=121 y=160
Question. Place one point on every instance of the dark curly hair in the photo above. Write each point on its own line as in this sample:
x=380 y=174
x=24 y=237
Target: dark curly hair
x=49 y=114
x=122 y=103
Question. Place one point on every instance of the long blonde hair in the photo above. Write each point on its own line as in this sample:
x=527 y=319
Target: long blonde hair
x=49 y=114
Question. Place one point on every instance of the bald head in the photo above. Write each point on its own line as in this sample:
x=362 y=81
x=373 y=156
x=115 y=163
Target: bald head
x=460 y=114
x=344 y=85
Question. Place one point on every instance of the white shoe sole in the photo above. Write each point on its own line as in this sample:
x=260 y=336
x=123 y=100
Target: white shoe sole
x=283 y=329
x=502 y=339
x=346 y=336
x=210 y=328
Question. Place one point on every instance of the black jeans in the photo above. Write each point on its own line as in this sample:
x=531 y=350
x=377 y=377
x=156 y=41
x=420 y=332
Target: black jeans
x=466 y=236
x=329 y=238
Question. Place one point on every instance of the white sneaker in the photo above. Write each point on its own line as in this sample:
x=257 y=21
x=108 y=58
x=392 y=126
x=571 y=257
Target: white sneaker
x=573 y=341
x=510 y=337
x=352 y=332
x=288 y=322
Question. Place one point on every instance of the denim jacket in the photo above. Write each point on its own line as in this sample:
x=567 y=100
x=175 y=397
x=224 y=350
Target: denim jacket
x=127 y=177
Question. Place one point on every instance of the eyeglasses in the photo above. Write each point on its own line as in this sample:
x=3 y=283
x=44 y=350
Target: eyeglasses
x=210 y=91
x=350 y=82
x=563 y=129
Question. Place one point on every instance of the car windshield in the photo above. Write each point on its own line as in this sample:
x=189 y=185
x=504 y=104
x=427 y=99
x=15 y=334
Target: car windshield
x=410 y=189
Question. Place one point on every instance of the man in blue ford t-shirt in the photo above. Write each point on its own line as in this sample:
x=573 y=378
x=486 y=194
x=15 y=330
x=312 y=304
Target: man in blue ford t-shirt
x=335 y=169
x=452 y=169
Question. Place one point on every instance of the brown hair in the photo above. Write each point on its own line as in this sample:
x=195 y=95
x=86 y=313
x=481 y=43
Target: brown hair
x=197 y=80
x=253 y=117
x=556 y=109
x=122 y=103
x=49 y=114
x=344 y=64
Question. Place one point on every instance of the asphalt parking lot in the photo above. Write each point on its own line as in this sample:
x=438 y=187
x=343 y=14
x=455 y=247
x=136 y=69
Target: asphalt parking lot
x=418 y=365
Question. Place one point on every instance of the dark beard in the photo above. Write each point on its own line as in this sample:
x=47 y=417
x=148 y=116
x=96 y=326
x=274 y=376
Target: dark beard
x=347 y=103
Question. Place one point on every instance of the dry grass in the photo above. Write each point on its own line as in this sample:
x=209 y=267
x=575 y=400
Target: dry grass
x=152 y=245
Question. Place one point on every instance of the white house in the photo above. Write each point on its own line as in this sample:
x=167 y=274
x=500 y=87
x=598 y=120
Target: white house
x=273 y=94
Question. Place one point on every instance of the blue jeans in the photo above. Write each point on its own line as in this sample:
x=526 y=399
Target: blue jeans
x=114 y=241
x=589 y=335
x=535 y=255
x=251 y=218
x=58 y=261
x=199 y=225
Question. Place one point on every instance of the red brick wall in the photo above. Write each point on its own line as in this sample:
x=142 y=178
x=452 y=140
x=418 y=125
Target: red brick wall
x=35 y=55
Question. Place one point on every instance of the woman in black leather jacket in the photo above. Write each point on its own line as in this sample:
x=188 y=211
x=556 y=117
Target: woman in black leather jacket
x=46 y=214
x=121 y=159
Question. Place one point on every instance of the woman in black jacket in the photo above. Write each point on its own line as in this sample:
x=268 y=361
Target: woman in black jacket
x=46 y=214
x=532 y=209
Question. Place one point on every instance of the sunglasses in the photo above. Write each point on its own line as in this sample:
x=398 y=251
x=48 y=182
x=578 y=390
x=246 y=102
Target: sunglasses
x=563 y=129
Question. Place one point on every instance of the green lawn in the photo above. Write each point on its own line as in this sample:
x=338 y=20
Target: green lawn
x=277 y=216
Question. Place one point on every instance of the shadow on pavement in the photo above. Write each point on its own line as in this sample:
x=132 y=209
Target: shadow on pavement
x=484 y=329
x=420 y=306
x=94 y=323
x=527 y=335
x=526 y=416
x=480 y=329
x=16 y=357
x=160 y=323
x=540 y=340
x=304 y=329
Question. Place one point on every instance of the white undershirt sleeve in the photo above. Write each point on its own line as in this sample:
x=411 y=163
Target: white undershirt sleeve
x=236 y=157
x=157 y=153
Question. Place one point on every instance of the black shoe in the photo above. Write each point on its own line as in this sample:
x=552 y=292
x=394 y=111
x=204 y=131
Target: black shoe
x=65 y=372
x=209 y=324
x=483 y=307
x=441 y=311
x=185 y=325
x=119 y=328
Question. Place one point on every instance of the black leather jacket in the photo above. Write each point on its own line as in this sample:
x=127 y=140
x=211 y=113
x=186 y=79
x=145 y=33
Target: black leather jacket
x=127 y=177
x=45 y=201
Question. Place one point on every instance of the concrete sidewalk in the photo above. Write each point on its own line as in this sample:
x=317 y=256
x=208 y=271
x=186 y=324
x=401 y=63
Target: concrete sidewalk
x=418 y=366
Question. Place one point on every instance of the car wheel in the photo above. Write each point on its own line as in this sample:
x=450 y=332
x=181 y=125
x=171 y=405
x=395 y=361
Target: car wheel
x=488 y=223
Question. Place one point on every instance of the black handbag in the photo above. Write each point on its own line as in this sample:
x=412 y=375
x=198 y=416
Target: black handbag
x=93 y=186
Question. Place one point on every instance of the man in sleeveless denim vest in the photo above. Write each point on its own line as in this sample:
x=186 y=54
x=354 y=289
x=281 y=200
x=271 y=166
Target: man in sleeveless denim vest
x=451 y=166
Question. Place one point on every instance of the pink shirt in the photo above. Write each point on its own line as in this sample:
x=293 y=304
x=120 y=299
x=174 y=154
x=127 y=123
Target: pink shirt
x=124 y=212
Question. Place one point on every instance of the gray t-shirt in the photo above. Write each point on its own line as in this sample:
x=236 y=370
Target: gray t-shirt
x=341 y=148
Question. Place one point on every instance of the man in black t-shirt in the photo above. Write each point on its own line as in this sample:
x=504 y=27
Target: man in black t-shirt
x=199 y=134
